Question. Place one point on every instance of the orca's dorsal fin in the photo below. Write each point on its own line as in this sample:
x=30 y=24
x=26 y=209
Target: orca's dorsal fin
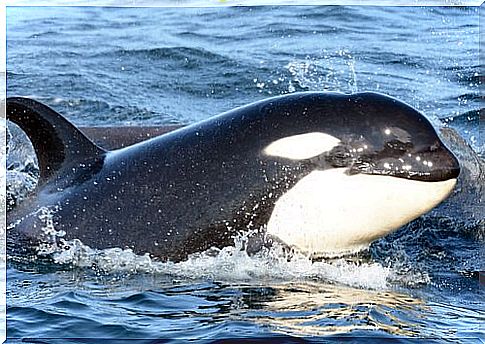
x=56 y=141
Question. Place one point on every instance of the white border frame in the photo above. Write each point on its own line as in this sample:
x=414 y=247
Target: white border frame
x=178 y=3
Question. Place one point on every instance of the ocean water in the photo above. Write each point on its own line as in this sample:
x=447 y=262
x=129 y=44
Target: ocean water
x=105 y=66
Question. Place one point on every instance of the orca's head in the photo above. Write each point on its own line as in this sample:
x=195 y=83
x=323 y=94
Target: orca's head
x=388 y=137
x=377 y=164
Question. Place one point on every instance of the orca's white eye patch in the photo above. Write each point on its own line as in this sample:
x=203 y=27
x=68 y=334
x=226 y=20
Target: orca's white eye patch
x=303 y=146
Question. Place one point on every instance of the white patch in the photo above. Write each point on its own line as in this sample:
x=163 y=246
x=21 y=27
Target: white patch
x=303 y=146
x=329 y=213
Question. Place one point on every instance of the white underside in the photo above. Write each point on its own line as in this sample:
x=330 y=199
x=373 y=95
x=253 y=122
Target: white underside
x=329 y=213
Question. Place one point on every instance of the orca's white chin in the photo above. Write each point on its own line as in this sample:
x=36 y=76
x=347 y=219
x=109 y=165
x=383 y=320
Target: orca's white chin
x=330 y=213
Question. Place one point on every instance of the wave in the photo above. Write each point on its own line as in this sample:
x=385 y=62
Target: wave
x=189 y=55
x=396 y=59
x=213 y=37
x=471 y=96
x=471 y=76
x=43 y=34
x=470 y=125
x=200 y=309
x=472 y=117
x=101 y=112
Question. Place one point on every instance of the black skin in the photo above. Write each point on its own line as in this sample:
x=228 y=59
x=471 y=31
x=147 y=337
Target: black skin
x=198 y=186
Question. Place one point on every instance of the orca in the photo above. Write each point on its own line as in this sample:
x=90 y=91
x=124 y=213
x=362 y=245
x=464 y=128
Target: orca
x=323 y=173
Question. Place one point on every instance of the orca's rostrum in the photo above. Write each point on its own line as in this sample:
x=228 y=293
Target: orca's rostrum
x=325 y=173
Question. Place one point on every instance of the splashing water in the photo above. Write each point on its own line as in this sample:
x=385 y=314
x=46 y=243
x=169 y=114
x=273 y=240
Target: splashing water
x=330 y=71
x=22 y=170
x=52 y=235
x=335 y=71
x=227 y=264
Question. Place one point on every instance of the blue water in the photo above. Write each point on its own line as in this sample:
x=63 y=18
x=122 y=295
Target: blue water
x=129 y=66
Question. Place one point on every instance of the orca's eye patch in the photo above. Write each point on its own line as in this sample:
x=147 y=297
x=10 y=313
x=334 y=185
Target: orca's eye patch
x=371 y=160
x=339 y=156
x=398 y=147
x=352 y=151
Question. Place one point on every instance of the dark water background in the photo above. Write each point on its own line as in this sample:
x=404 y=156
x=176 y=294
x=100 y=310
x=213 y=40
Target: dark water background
x=129 y=66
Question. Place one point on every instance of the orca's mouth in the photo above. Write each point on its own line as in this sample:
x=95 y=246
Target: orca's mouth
x=432 y=165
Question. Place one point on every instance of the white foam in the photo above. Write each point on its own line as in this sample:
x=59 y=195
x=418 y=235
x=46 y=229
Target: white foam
x=230 y=264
